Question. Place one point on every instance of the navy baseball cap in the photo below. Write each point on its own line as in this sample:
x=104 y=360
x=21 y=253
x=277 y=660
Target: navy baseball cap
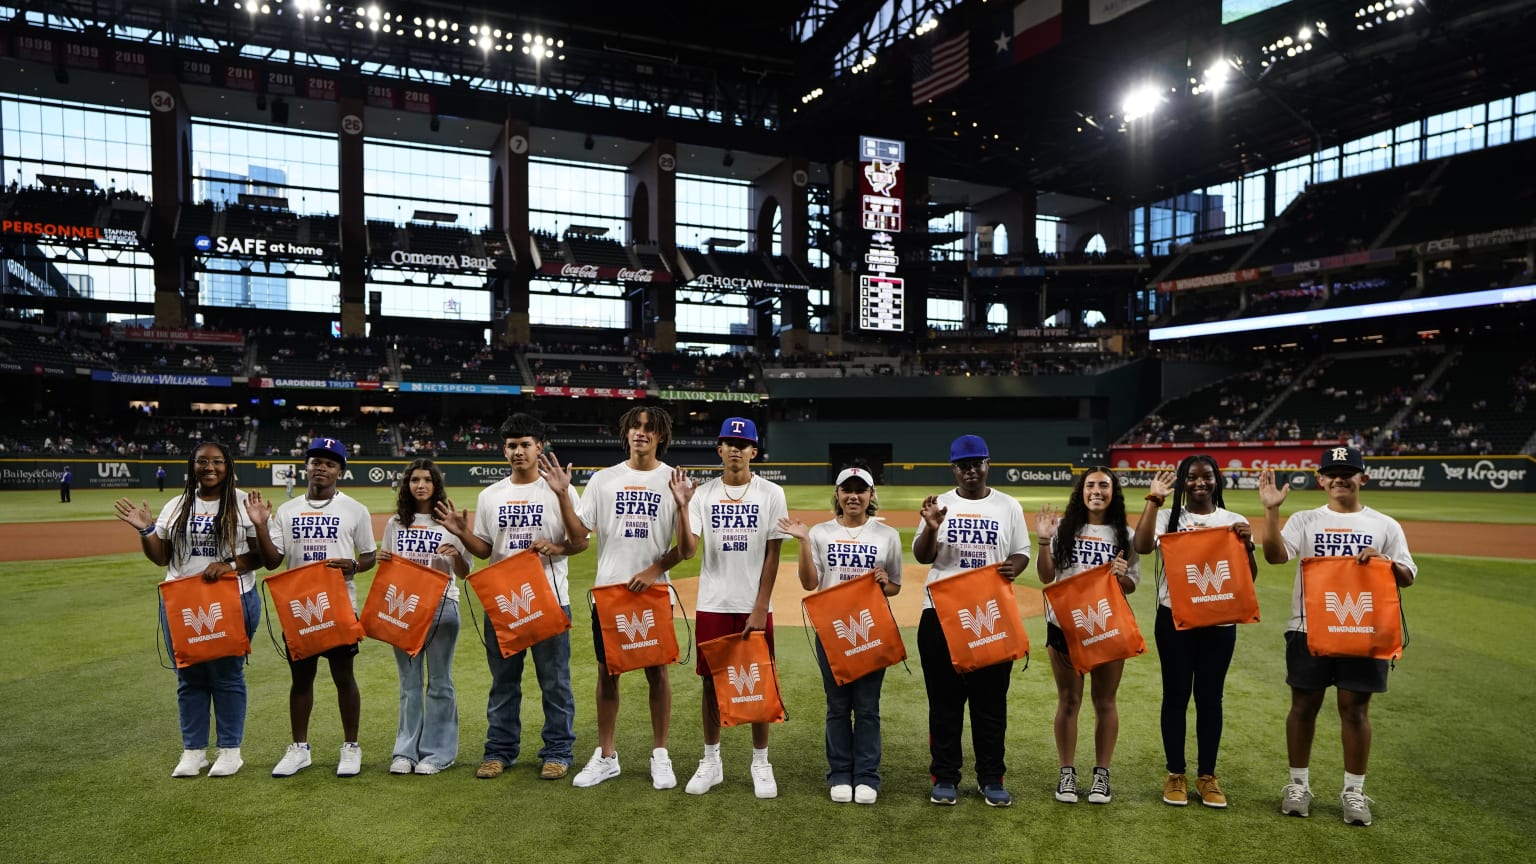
x=1342 y=457
x=968 y=447
x=330 y=448
x=739 y=428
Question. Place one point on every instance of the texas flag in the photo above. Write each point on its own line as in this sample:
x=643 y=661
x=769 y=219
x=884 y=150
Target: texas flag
x=1033 y=26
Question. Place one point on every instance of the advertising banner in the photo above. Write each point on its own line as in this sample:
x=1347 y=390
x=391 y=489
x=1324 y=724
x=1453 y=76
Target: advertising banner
x=594 y=392
x=456 y=387
x=179 y=337
x=604 y=273
x=162 y=378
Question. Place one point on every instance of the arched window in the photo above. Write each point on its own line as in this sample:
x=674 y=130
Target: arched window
x=1096 y=245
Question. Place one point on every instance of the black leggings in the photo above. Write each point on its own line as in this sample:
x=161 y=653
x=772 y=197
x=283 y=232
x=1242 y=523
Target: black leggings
x=1192 y=660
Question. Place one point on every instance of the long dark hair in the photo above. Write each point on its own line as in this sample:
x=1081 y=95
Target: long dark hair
x=1076 y=516
x=661 y=424
x=226 y=525
x=405 y=503
x=1177 y=509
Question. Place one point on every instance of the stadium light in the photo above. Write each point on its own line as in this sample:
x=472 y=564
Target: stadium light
x=1141 y=101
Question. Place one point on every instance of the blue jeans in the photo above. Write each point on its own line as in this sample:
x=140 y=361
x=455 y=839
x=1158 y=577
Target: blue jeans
x=853 y=726
x=429 y=727
x=504 y=708
x=220 y=683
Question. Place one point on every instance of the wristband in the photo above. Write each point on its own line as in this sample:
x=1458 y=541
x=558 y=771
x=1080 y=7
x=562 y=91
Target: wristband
x=145 y=532
x=1157 y=500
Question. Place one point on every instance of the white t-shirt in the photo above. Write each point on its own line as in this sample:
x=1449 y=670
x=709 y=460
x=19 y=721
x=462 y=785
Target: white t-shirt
x=848 y=553
x=633 y=515
x=1218 y=518
x=1319 y=532
x=339 y=527
x=734 y=525
x=1094 y=545
x=975 y=533
x=510 y=516
x=201 y=551
x=420 y=542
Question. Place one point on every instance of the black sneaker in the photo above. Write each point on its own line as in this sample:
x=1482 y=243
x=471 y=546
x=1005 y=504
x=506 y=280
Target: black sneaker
x=1066 y=787
x=1099 y=792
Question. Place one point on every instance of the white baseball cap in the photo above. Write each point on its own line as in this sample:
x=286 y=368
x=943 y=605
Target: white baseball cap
x=855 y=474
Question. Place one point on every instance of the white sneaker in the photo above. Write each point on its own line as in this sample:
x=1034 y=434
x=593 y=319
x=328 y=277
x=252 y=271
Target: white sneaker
x=429 y=768
x=351 y=761
x=842 y=793
x=763 y=784
x=401 y=765
x=294 y=759
x=598 y=769
x=227 y=763
x=192 y=762
x=662 y=776
x=865 y=794
x=706 y=778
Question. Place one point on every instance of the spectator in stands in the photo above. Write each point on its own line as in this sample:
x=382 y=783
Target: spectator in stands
x=1342 y=526
x=1089 y=533
x=207 y=532
x=1193 y=660
x=427 y=736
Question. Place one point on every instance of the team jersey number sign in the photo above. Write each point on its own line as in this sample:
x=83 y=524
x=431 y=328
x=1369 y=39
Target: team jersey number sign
x=853 y=620
x=746 y=684
x=205 y=619
x=637 y=627
x=1095 y=618
x=403 y=602
x=1352 y=609
x=1209 y=580
x=315 y=610
x=980 y=617
x=522 y=605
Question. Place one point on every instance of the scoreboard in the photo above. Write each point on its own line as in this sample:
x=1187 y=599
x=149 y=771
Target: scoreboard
x=882 y=303
x=882 y=296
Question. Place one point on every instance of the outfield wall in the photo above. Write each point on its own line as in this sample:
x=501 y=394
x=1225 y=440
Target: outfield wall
x=1433 y=473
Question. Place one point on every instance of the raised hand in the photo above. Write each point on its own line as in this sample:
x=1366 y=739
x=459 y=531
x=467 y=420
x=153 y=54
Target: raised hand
x=932 y=513
x=682 y=488
x=558 y=478
x=139 y=516
x=1270 y=496
x=1163 y=484
x=456 y=521
x=257 y=507
x=796 y=529
x=1046 y=521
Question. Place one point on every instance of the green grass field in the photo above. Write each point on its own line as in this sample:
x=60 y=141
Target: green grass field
x=90 y=736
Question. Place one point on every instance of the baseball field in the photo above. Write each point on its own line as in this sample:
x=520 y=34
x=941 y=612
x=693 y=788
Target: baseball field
x=89 y=730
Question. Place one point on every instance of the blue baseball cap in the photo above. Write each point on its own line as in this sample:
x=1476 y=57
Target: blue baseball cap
x=330 y=448
x=968 y=447
x=739 y=428
x=1342 y=456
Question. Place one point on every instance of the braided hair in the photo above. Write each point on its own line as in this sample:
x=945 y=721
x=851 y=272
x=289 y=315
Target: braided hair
x=226 y=524
x=1076 y=516
x=1176 y=511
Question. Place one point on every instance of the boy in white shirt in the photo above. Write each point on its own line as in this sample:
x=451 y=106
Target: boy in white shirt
x=735 y=517
x=633 y=508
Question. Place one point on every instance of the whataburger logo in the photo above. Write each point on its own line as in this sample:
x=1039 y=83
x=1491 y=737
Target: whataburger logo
x=744 y=679
x=855 y=628
x=312 y=612
x=1207 y=579
x=519 y=605
x=204 y=619
x=984 y=618
x=398 y=603
x=1356 y=607
x=636 y=628
x=1092 y=618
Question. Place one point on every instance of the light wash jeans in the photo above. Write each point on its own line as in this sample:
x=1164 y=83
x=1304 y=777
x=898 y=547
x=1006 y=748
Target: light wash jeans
x=853 y=726
x=503 y=710
x=429 y=725
x=219 y=683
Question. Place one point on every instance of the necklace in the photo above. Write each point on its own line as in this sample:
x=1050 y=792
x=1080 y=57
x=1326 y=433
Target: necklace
x=319 y=506
x=854 y=535
x=727 y=490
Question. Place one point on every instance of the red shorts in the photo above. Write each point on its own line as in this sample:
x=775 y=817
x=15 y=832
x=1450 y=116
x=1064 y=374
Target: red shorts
x=713 y=625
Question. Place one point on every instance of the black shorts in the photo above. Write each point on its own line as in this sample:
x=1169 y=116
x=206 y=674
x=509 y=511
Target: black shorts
x=1054 y=638
x=1304 y=671
x=336 y=653
x=597 y=641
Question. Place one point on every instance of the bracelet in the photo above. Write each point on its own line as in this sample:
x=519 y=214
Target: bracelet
x=145 y=532
x=1157 y=500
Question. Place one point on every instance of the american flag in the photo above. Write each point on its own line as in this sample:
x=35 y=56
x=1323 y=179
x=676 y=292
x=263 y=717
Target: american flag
x=940 y=69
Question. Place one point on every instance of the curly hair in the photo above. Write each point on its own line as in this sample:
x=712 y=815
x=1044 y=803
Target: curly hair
x=226 y=524
x=661 y=424
x=405 y=502
x=1076 y=516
